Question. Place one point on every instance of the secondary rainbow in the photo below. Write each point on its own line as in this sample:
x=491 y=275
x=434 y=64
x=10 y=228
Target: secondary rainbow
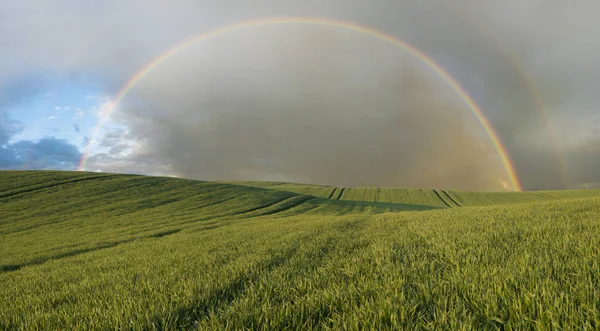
x=539 y=104
x=510 y=171
x=547 y=122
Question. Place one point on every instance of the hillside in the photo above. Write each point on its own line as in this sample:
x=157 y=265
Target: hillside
x=83 y=250
x=424 y=197
x=87 y=207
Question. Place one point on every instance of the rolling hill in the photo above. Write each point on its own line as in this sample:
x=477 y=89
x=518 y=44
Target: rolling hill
x=92 y=250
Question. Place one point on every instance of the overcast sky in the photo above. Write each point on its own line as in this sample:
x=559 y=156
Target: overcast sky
x=305 y=102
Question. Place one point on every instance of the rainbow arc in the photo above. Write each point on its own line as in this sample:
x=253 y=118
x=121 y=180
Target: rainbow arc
x=135 y=79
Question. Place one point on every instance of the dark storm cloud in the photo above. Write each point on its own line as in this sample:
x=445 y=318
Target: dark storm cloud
x=219 y=111
x=303 y=114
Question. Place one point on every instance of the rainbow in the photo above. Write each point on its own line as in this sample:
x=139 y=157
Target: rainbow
x=546 y=121
x=501 y=150
x=539 y=104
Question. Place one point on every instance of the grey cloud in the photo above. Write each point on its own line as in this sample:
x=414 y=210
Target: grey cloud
x=118 y=142
x=311 y=118
x=283 y=102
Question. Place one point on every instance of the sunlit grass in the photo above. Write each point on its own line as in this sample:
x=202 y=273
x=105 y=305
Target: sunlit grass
x=136 y=252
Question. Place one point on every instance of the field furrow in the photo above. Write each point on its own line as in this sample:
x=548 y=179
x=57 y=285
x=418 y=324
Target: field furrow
x=439 y=195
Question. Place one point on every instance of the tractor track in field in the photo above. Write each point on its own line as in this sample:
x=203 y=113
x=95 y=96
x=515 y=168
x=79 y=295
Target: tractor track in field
x=294 y=201
x=34 y=188
x=14 y=267
x=337 y=194
x=450 y=197
x=332 y=193
x=441 y=199
x=546 y=195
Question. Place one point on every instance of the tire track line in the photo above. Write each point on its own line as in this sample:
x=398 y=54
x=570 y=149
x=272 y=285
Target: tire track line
x=45 y=186
x=451 y=199
x=441 y=199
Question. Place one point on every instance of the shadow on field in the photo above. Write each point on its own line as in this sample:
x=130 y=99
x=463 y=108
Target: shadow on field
x=334 y=198
x=374 y=206
x=164 y=233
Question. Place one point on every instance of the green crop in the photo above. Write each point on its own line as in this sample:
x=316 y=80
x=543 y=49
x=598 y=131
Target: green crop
x=102 y=251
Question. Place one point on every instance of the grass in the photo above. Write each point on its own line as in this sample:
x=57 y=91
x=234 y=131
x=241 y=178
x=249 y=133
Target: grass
x=433 y=198
x=87 y=250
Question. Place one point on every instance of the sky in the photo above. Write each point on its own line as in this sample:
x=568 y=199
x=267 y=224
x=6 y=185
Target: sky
x=305 y=102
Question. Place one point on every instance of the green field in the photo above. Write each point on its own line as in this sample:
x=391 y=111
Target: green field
x=103 y=251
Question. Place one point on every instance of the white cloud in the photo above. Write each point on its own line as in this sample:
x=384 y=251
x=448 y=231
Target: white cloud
x=104 y=109
x=110 y=144
x=61 y=110
x=138 y=162
x=113 y=147
x=79 y=113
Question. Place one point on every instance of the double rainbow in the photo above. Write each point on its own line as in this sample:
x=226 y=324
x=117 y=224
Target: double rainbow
x=501 y=150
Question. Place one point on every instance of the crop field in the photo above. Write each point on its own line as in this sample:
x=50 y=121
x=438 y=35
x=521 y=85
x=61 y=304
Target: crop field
x=85 y=251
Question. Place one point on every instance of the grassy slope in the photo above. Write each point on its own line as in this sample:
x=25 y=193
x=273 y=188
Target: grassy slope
x=83 y=249
x=94 y=211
